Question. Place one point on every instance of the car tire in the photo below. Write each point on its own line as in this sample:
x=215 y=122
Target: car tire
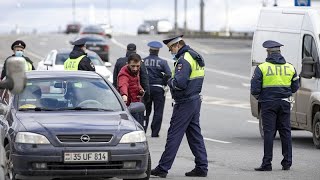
x=316 y=130
x=148 y=172
x=260 y=125
x=3 y=163
x=10 y=175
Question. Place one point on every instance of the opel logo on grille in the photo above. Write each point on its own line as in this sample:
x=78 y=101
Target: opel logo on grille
x=85 y=138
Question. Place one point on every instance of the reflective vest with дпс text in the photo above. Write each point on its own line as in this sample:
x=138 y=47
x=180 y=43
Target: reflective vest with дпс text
x=196 y=70
x=276 y=75
x=28 y=66
x=72 y=64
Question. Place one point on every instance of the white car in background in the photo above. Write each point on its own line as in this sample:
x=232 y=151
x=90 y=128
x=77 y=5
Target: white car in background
x=56 y=58
x=107 y=29
x=164 y=26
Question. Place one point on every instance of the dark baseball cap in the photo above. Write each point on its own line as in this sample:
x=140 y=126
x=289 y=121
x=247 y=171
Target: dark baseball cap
x=131 y=47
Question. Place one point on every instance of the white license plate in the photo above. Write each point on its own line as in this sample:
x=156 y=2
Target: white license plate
x=85 y=156
x=94 y=48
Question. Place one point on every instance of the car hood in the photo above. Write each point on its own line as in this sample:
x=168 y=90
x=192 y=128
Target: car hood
x=76 y=122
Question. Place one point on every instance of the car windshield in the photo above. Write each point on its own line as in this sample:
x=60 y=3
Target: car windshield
x=92 y=29
x=62 y=57
x=93 y=39
x=68 y=94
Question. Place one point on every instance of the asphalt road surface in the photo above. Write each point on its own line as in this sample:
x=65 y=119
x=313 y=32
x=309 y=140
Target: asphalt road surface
x=231 y=134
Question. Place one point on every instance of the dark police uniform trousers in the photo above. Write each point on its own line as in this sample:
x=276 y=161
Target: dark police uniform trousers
x=158 y=99
x=276 y=116
x=185 y=118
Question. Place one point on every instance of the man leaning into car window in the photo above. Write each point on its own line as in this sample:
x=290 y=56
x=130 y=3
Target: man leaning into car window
x=129 y=83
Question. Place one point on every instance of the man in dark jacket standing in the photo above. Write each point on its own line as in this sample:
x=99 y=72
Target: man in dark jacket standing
x=159 y=72
x=131 y=48
x=18 y=49
x=272 y=84
x=78 y=59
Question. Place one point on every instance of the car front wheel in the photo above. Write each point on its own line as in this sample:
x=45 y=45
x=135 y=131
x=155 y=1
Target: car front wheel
x=10 y=175
x=148 y=172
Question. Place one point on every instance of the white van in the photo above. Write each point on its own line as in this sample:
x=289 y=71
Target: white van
x=164 y=26
x=298 y=29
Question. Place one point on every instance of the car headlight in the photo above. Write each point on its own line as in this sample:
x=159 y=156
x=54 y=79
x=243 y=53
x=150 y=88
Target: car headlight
x=134 y=137
x=31 y=138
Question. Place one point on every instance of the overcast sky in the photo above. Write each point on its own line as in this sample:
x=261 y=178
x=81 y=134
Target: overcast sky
x=126 y=15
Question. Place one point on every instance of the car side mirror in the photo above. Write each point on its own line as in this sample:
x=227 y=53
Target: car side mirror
x=107 y=64
x=48 y=63
x=308 y=70
x=136 y=107
x=15 y=79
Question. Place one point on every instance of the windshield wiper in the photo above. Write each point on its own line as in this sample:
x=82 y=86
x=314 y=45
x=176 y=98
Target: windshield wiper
x=85 y=108
x=36 y=109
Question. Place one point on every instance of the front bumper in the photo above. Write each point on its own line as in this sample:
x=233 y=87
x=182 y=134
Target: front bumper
x=24 y=156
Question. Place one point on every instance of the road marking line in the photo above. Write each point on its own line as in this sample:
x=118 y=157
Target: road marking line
x=255 y=122
x=35 y=55
x=246 y=84
x=217 y=141
x=222 y=87
x=170 y=61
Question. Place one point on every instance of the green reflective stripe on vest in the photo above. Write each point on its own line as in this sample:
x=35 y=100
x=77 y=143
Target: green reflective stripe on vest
x=276 y=75
x=72 y=64
x=28 y=66
x=196 y=70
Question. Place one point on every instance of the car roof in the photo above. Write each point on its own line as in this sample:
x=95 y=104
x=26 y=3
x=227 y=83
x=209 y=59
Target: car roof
x=67 y=51
x=61 y=74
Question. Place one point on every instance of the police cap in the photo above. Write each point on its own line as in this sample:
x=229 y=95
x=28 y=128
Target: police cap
x=80 y=42
x=169 y=42
x=271 y=44
x=155 y=45
x=18 y=43
x=131 y=47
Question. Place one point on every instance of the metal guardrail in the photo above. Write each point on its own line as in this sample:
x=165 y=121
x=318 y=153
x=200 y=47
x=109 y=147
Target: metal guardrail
x=213 y=34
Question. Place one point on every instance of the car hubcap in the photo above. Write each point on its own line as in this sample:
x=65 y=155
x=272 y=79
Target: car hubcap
x=317 y=130
x=9 y=167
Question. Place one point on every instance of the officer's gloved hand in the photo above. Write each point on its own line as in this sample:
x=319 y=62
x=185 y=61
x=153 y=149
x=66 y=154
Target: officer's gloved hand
x=169 y=82
x=146 y=97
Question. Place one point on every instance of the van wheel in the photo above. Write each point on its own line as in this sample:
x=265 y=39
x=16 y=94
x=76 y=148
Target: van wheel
x=260 y=125
x=316 y=130
x=148 y=172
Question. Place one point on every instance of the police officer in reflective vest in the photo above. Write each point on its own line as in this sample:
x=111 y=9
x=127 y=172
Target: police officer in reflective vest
x=185 y=85
x=272 y=84
x=159 y=72
x=78 y=59
x=18 y=49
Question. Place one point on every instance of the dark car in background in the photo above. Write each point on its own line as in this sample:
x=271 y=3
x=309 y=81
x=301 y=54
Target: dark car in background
x=72 y=124
x=98 y=44
x=148 y=27
x=93 y=29
x=73 y=28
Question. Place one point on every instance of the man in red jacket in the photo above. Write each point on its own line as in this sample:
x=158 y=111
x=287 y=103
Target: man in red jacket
x=129 y=83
